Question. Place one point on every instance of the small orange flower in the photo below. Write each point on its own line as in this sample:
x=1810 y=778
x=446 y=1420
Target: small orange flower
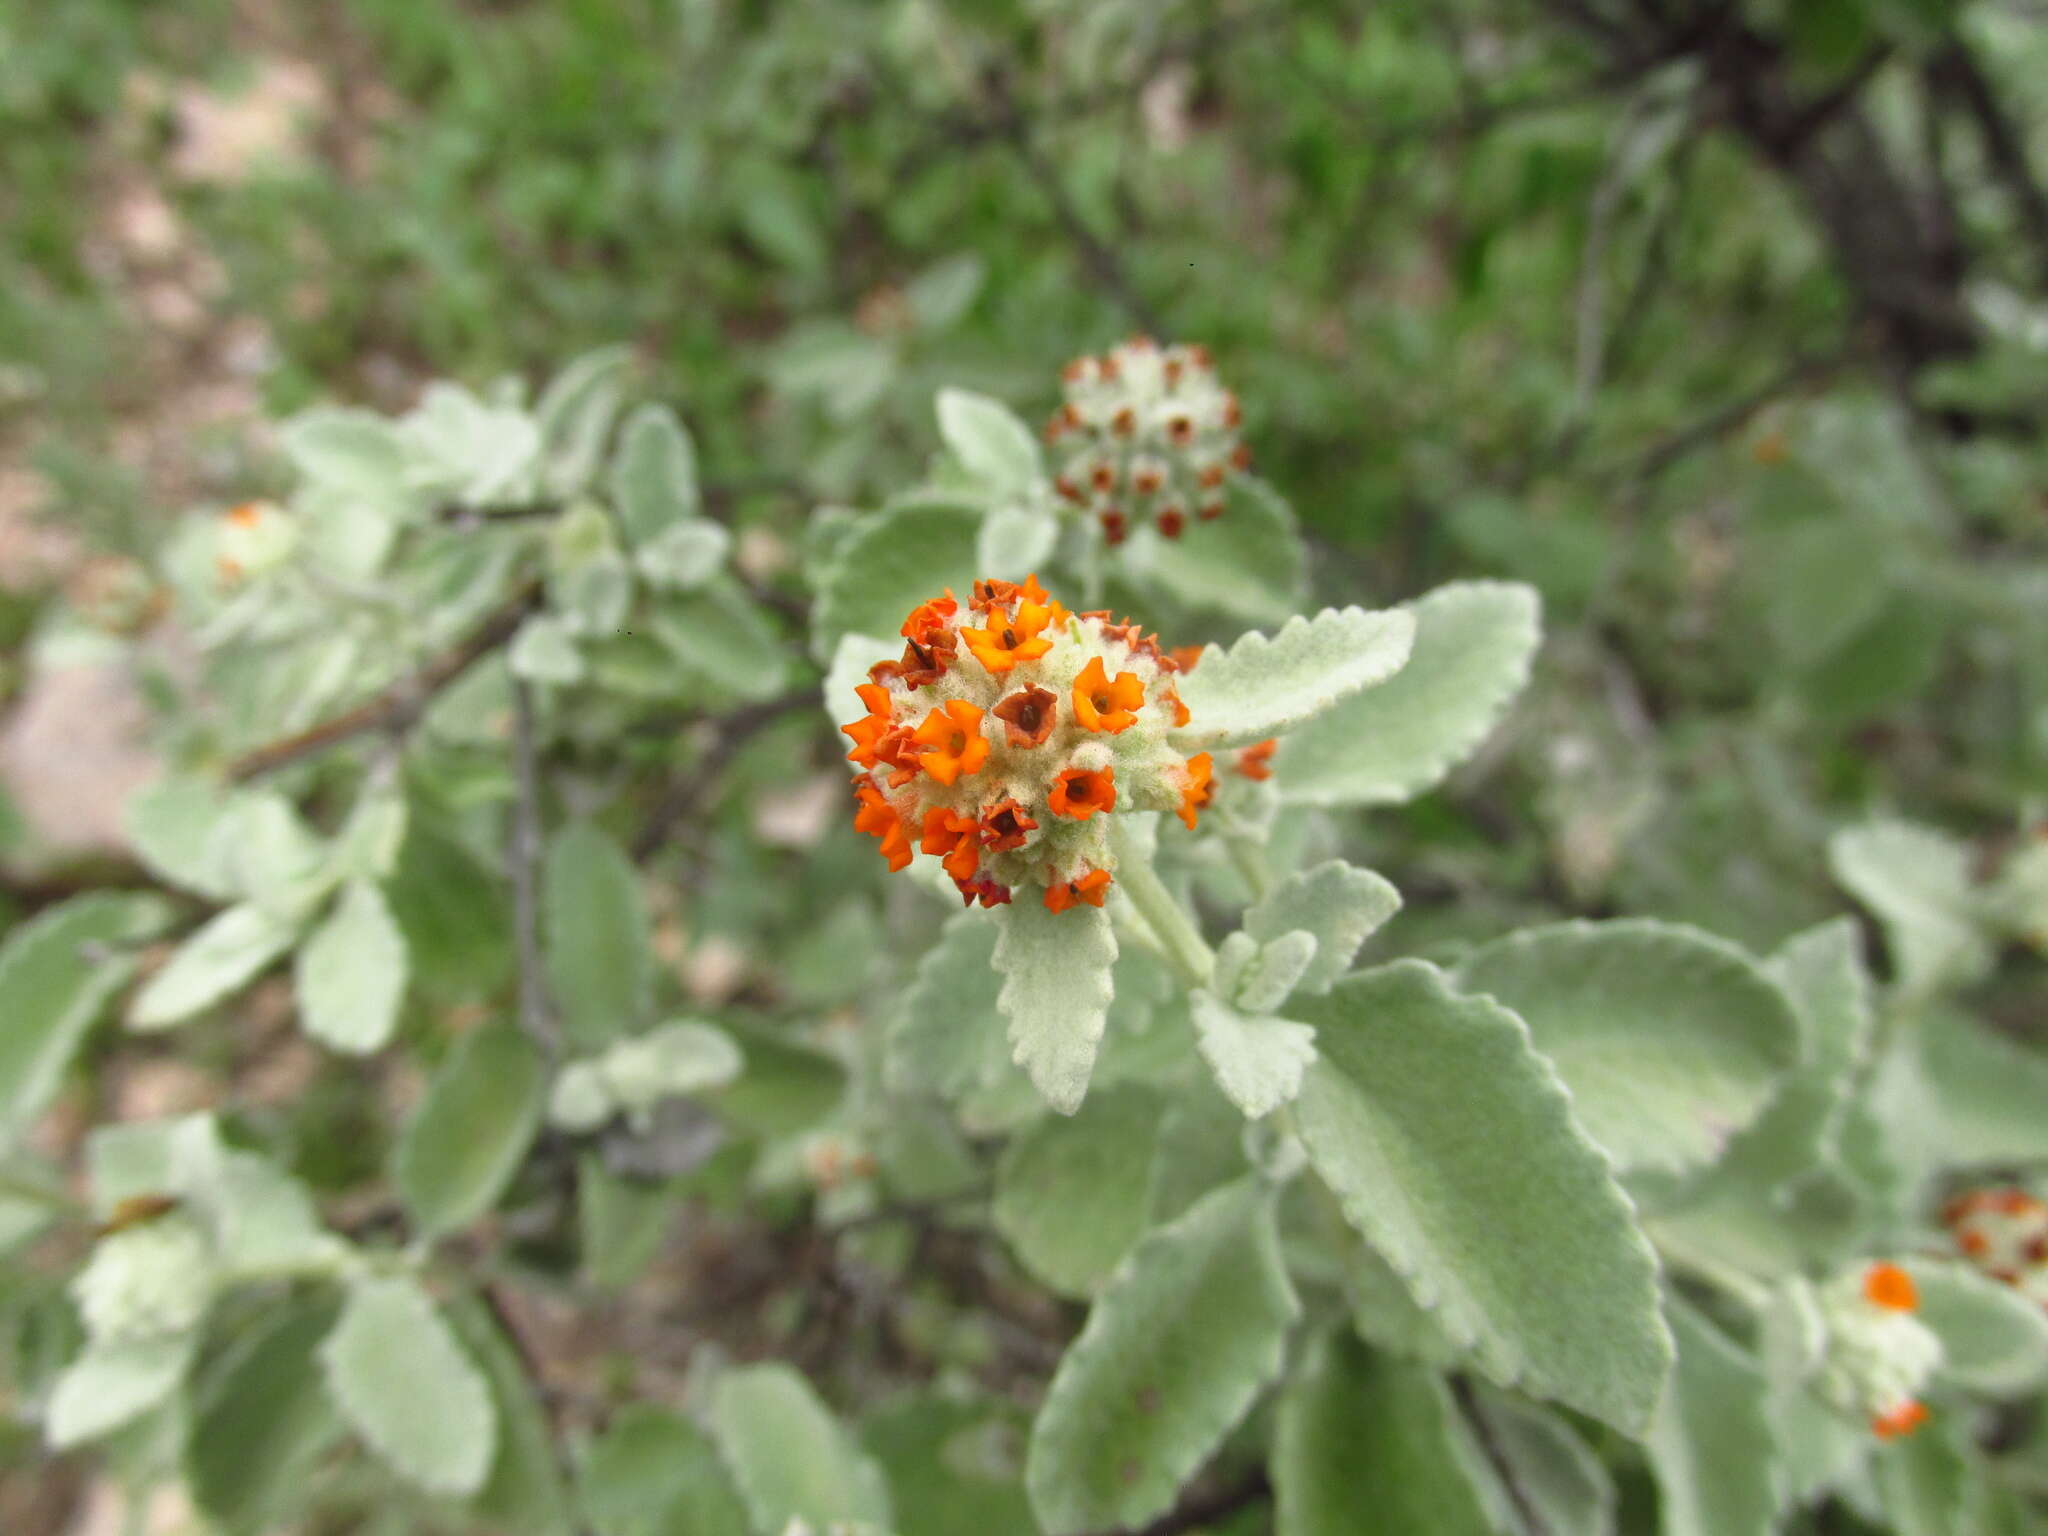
x=1184 y=657
x=878 y=818
x=1092 y=888
x=927 y=622
x=1181 y=714
x=990 y=892
x=1028 y=715
x=1902 y=1420
x=953 y=745
x=1005 y=642
x=1003 y=826
x=246 y=515
x=1103 y=704
x=867 y=732
x=1196 y=788
x=956 y=837
x=1888 y=1286
x=1081 y=792
x=1256 y=760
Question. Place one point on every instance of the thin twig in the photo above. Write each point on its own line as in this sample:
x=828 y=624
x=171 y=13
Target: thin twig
x=398 y=707
x=1718 y=423
x=689 y=788
x=1212 y=1508
x=1532 y=1523
x=536 y=1013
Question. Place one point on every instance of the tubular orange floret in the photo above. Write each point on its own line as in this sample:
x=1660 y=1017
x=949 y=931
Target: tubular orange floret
x=1081 y=792
x=1181 y=713
x=1028 y=715
x=990 y=893
x=1004 y=642
x=878 y=818
x=1901 y=1420
x=956 y=837
x=1196 y=787
x=1256 y=760
x=1091 y=888
x=1103 y=703
x=952 y=743
x=1004 y=824
x=1888 y=1286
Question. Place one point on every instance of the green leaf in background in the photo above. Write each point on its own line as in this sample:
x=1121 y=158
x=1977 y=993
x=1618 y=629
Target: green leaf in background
x=654 y=475
x=455 y=914
x=1565 y=1483
x=1994 y=1339
x=1385 y=1314
x=261 y=1420
x=1669 y=1038
x=1015 y=541
x=222 y=957
x=790 y=1458
x=1338 y=903
x=1979 y=1093
x=575 y=415
x=356 y=451
x=654 y=1473
x=1452 y=1147
x=685 y=557
x=622 y=1222
x=350 y=976
x=1265 y=685
x=112 y=1383
x=1190 y=1328
x=279 y=863
x=1474 y=643
x=544 y=651
x=1369 y=1443
x=471 y=1131
x=1917 y=881
x=1072 y=1196
x=1710 y=1441
x=889 y=564
x=523 y=1493
x=594 y=924
x=948 y=1036
x=1259 y=977
x=1056 y=993
x=990 y=442
x=408 y=1388
x=723 y=639
x=955 y=1464
x=58 y=972
x=1258 y=1059
x=1248 y=564
x=174 y=826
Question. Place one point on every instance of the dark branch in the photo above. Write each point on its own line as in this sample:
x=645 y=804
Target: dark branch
x=536 y=1012
x=1526 y=1515
x=1955 y=70
x=1210 y=1508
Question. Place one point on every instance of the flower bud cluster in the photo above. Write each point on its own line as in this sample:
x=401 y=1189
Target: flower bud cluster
x=1149 y=436
x=1008 y=734
x=1877 y=1355
x=145 y=1281
x=2004 y=1232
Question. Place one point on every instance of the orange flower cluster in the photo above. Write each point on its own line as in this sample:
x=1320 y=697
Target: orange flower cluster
x=1153 y=437
x=1007 y=734
x=2004 y=1232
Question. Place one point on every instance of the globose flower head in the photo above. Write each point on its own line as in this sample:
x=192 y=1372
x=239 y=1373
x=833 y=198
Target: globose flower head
x=1149 y=436
x=2004 y=1232
x=1007 y=736
x=1877 y=1355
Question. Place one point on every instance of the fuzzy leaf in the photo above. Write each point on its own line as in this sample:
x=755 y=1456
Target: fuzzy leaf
x=1072 y=1196
x=544 y=651
x=1258 y=1059
x=952 y=1460
x=1188 y=1331
x=1670 y=1039
x=112 y=1383
x=600 y=963
x=989 y=441
x=58 y=972
x=1452 y=1147
x=790 y=1458
x=1056 y=993
x=654 y=475
x=1248 y=564
x=1474 y=642
x=220 y=958
x=1268 y=978
x=262 y=1420
x=1917 y=881
x=1710 y=1441
x=1567 y=1485
x=1369 y=1443
x=351 y=974
x=575 y=414
x=1264 y=685
x=654 y=1473
x=407 y=1387
x=684 y=557
x=1338 y=903
x=1986 y=1093
x=174 y=826
x=1994 y=1339
x=470 y=1133
x=1015 y=541
x=948 y=1036
x=889 y=564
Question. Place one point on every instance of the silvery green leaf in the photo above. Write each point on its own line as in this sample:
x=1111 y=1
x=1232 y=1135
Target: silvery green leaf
x=684 y=557
x=654 y=475
x=889 y=563
x=1711 y=1443
x=1670 y=1039
x=224 y=955
x=1451 y=1146
x=356 y=451
x=1978 y=1094
x=1015 y=540
x=683 y=1056
x=544 y=651
x=173 y=825
x=263 y=1220
x=575 y=414
x=594 y=597
x=943 y=291
x=1258 y=1059
x=1994 y=1339
x=1056 y=993
x=653 y=1473
x=599 y=951
x=1385 y=1314
x=350 y=975
x=369 y=843
x=408 y=1388
x=722 y=638
x=948 y=1036
x=1555 y=1471
x=279 y=862
x=462 y=450
x=1341 y=905
x=1474 y=642
x=1263 y=686
x=1270 y=976
x=581 y=1099
x=58 y=972
x=1248 y=564
x=986 y=437
x=114 y=1382
x=1072 y=1195
x=1368 y=1442
x=791 y=1460
x=472 y=1130
x=1235 y=953
x=1189 y=1329
x=1917 y=881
